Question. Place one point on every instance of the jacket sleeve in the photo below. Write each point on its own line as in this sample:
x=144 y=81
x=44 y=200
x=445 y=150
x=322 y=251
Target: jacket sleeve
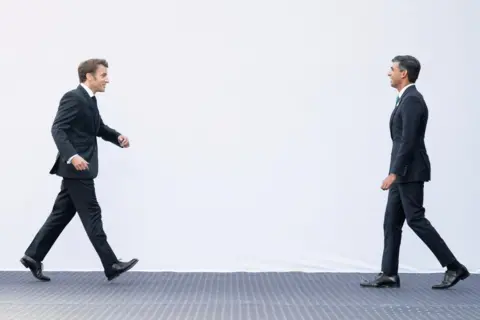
x=66 y=113
x=107 y=133
x=412 y=113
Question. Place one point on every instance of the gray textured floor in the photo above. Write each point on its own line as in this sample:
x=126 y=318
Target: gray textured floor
x=232 y=296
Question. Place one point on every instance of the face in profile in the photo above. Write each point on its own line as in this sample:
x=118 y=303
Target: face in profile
x=98 y=81
x=396 y=75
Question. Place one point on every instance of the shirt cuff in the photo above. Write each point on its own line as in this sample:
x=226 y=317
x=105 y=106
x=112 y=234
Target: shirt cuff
x=70 y=159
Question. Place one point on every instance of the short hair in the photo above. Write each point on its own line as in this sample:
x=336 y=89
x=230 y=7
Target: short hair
x=89 y=66
x=409 y=64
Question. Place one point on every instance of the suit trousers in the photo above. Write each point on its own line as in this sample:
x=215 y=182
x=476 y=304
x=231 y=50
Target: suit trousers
x=75 y=196
x=405 y=202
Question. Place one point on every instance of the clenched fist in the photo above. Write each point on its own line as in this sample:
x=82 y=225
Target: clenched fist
x=124 y=142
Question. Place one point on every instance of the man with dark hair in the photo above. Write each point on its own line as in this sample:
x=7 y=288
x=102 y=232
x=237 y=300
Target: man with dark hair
x=409 y=170
x=75 y=130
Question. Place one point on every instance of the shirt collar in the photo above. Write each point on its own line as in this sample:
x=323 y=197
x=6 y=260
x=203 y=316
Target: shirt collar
x=89 y=91
x=404 y=88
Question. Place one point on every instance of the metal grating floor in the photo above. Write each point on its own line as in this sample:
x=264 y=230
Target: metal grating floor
x=232 y=296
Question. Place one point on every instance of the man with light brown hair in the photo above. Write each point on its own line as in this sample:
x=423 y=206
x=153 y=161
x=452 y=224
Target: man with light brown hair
x=75 y=130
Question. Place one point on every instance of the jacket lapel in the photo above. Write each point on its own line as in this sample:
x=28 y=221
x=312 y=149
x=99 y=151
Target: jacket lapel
x=96 y=114
x=394 y=112
x=93 y=107
x=397 y=106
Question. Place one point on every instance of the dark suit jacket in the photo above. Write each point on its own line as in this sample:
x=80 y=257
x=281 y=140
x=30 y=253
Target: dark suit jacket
x=408 y=123
x=75 y=130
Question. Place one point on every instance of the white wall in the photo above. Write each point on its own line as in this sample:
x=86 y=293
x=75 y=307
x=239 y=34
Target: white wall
x=259 y=129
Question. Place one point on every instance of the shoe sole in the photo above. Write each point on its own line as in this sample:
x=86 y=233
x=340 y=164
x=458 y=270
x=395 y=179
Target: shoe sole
x=127 y=269
x=383 y=286
x=465 y=276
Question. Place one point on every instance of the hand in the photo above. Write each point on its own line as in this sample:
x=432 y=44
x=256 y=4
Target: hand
x=79 y=163
x=124 y=142
x=387 y=183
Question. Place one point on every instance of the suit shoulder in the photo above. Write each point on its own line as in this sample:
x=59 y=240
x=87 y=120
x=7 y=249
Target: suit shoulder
x=419 y=95
x=414 y=104
x=414 y=97
x=70 y=99
x=71 y=94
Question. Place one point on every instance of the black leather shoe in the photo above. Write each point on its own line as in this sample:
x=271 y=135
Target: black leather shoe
x=451 y=278
x=119 y=268
x=35 y=267
x=382 y=281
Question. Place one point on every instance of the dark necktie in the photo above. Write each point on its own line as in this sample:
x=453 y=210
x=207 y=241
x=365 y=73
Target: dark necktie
x=95 y=108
